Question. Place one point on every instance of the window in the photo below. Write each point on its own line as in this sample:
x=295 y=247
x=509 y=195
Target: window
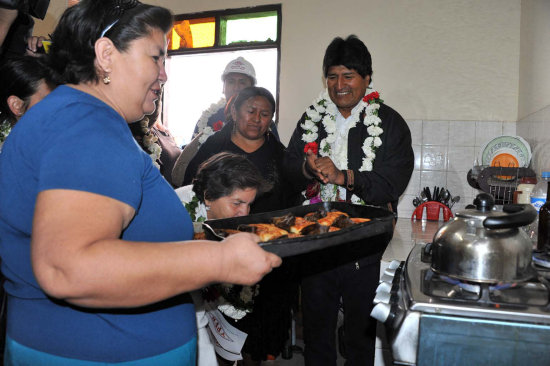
x=199 y=47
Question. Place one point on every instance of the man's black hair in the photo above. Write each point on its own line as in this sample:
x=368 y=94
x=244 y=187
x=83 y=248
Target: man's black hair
x=351 y=53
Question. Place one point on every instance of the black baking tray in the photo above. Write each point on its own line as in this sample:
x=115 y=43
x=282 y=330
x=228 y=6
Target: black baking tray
x=381 y=222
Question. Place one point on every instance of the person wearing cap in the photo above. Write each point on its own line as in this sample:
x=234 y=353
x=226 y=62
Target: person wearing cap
x=237 y=75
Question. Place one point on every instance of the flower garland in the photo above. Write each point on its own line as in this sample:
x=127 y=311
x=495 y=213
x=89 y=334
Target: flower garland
x=324 y=110
x=235 y=301
x=207 y=131
x=149 y=141
x=196 y=209
x=5 y=129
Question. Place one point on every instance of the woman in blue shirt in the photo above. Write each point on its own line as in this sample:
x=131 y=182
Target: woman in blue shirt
x=92 y=238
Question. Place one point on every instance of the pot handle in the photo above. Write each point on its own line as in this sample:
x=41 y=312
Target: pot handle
x=518 y=215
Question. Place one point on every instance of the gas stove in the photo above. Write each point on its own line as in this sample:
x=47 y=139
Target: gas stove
x=437 y=320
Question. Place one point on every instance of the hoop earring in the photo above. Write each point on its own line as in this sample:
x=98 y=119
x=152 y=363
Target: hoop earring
x=106 y=79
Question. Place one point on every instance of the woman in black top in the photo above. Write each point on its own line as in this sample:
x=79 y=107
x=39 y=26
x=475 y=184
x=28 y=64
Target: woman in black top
x=248 y=134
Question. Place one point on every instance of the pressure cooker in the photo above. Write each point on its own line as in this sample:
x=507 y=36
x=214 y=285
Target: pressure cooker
x=485 y=245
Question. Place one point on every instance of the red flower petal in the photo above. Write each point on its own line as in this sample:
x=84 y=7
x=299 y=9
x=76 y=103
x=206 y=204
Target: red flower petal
x=217 y=126
x=371 y=96
x=311 y=146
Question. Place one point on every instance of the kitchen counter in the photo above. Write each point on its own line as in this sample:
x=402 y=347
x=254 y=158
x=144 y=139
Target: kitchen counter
x=406 y=234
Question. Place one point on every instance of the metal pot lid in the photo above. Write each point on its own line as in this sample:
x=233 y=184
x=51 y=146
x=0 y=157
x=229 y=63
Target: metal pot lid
x=482 y=213
x=481 y=209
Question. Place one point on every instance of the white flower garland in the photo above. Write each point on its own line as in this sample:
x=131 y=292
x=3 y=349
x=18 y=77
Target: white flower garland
x=324 y=110
x=203 y=120
x=5 y=129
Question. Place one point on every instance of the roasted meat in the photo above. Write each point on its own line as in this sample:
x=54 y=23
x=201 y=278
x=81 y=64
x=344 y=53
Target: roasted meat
x=284 y=222
x=290 y=226
x=266 y=232
x=331 y=217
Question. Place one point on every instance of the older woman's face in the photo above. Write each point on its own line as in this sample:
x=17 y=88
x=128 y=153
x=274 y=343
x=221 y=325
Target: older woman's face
x=138 y=75
x=236 y=204
x=253 y=117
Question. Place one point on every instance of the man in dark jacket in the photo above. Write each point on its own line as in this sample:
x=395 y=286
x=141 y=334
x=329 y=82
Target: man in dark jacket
x=347 y=146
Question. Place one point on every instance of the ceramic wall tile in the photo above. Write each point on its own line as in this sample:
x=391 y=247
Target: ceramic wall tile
x=434 y=157
x=509 y=128
x=457 y=184
x=405 y=206
x=433 y=178
x=417 y=149
x=460 y=158
x=485 y=131
x=445 y=151
x=416 y=131
x=462 y=133
x=545 y=130
x=477 y=153
x=525 y=130
x=414 y=183
x=461 y=205
x=435 y=133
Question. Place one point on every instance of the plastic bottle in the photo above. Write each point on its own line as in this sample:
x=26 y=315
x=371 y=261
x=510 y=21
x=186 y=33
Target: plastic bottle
x=543 y=240
x=538 y=194
x=538 y=198
x=525 y=187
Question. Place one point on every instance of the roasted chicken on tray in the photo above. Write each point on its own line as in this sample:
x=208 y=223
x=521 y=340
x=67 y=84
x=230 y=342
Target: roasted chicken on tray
x=290 y=226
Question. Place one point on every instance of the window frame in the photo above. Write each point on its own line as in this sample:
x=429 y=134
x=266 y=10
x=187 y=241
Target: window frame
x=218 y=14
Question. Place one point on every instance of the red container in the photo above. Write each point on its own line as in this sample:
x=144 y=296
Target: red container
x=433 y=209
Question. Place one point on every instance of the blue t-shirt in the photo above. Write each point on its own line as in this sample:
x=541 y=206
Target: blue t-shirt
x=72 y=140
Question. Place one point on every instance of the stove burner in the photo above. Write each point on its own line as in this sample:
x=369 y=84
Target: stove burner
x=475 y=287
x=518 y=295
x=541 y=259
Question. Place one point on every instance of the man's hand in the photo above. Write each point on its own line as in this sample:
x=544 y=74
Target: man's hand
x=328 y=172
x=310 y=165
x=323 y=169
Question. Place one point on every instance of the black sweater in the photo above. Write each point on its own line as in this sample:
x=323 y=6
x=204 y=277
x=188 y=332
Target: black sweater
x=392 y=167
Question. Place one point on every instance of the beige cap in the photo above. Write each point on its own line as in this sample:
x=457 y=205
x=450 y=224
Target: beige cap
x=240 y=66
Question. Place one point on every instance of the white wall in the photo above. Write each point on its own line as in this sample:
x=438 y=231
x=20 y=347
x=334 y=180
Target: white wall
x=534 y=87
x=432 y=59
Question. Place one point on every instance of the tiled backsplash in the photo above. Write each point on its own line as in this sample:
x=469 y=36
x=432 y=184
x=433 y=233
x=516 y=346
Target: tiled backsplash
x=444 y=152
x=535 y=128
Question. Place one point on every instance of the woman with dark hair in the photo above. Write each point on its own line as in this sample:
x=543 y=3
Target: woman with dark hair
x=218 y=179
x=248 y=134
x=189 y=151
x=225 y=186
x=95 y=244
x=25 y=81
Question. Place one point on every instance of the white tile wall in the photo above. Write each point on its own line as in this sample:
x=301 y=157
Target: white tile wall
x=535 y=128
x=444 y=153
